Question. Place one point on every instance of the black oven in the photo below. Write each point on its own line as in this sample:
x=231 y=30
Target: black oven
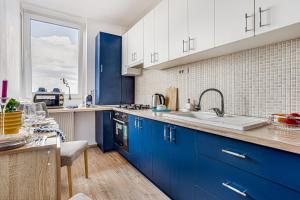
x=121 y=130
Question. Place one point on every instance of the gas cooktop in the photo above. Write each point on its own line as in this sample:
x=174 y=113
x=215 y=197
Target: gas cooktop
x=135 y=106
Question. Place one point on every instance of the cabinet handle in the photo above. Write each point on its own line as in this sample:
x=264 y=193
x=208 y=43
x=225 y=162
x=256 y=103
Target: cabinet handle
x=246 y=19
x=172 y=135
x=228 y=186
x=192 y=40
x=135 y=56
x=260 y=17
x=243 y=156
x=165 y=133
x=101 y=68
x=183 y=46
x=110 y=115
x=140 y=123
x=135 y=123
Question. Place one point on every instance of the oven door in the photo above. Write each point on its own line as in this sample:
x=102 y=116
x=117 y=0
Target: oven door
x=121 y=134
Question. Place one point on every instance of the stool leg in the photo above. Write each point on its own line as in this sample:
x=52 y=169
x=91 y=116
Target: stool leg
x=86 y=168
x=70 y=180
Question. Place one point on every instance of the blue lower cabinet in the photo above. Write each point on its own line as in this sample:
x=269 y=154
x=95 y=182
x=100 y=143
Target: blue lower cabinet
x=146 y=146
x=263 y=161
x=183 y=159
x=134 y=140
x=173 y=160
x=228 y=182
x=161 y=161
x=104 y=130
x=140 y=144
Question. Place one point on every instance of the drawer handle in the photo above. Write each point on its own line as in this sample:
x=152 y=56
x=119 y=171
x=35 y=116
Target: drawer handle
x=243 y=156
x=234 y=189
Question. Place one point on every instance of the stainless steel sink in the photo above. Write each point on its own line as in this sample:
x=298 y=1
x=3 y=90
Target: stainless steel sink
x=228 y=121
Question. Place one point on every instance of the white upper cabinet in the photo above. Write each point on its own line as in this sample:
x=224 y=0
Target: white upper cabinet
x=201 y=25
x=126 y=71
x=156 y=46
x=124 y=53
x=178 y=27
x=149 y=39
x=191 y=27
x=161 y=32
x=274 y=14
x=136 y=44
x=234 y=20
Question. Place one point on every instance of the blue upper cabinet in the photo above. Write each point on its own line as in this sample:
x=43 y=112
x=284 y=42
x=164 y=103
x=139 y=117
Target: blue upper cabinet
x=110 y=87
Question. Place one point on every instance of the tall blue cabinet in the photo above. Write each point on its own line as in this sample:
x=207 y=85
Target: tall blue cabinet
x=111 y=88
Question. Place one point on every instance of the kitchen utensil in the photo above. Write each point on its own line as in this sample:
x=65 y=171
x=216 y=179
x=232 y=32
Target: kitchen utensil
x=158 y=99
x=171 y=96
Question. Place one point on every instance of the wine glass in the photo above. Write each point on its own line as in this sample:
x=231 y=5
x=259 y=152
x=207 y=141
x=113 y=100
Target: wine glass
x=3 y=102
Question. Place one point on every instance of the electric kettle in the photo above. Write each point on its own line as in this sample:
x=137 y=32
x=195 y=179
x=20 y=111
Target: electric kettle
x=158 y=99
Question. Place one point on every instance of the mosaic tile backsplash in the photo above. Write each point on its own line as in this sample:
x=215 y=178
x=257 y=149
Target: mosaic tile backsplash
x=255 y=82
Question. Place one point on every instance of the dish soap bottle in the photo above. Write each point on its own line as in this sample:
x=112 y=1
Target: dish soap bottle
x=188 y=105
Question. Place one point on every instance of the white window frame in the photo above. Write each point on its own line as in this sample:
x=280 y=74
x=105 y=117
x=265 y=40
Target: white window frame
x=26 y=51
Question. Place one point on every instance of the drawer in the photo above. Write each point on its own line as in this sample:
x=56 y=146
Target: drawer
x=278 y=166
x=228 y=182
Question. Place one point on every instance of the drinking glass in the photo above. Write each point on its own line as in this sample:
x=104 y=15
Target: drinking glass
x=40 y=112
x=29 y=112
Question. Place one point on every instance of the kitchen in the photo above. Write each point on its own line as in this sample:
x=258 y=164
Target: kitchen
x=160 y=99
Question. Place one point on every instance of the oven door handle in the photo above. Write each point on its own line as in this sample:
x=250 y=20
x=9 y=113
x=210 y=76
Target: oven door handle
x=118 y=121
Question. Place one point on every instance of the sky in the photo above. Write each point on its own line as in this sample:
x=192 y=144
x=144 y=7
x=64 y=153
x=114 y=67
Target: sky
x=54 y=51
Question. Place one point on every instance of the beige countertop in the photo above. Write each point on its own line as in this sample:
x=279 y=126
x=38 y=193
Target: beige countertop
x=80 y=109
x=265 y=136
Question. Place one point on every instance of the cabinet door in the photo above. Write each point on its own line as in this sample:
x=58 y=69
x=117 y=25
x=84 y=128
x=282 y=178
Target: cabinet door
x=274 y=14
x=231 y=21
x=149 y=39
x=108 y=69
x=201 y=25
x=146 y=147
x=161 y=31
x=124 y=53
x=161 y=157
x=139 y=46
x=131 y=46
x=104 y=130
x=178 y=29
x=183 y=159
x=134 y=140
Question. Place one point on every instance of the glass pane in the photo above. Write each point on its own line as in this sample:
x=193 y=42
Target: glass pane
x=54 y=54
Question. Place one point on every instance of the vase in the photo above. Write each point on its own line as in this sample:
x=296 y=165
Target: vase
x=12 y=122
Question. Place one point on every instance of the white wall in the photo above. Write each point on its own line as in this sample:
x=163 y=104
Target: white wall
x=10 y=45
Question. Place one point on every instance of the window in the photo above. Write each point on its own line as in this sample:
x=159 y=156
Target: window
x=54 y=51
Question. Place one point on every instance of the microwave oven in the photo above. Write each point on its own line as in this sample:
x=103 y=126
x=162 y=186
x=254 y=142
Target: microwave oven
x=51 y=99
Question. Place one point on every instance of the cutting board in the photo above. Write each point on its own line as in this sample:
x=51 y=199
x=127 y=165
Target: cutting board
x=171 y=98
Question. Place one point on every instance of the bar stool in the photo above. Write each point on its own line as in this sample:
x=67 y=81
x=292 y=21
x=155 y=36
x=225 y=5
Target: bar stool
x=70 y=151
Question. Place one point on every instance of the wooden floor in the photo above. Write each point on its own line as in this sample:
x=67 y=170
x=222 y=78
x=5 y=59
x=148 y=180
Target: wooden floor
x=111 y=177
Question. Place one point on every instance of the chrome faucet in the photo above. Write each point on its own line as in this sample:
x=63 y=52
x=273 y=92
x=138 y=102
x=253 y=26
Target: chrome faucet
x=220 y=113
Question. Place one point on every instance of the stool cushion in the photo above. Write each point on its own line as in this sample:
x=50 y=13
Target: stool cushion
x=80 y=196
x=69 y=151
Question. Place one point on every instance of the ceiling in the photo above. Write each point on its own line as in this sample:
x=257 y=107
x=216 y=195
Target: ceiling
x=120 y=12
